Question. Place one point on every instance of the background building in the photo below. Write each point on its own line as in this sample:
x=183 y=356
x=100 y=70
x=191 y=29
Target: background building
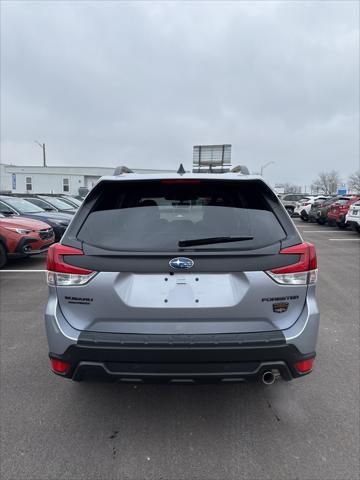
x=38 y=179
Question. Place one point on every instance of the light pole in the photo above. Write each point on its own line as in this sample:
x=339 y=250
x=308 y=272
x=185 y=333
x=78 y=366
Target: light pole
x=264 y=166
x=42 y=145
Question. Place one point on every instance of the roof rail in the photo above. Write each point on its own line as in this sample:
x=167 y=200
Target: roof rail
x=122 y=169
x=240 y=169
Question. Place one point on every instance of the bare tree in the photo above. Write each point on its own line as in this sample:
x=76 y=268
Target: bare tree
x=354 y=182
x=326 y=183
x=290 y=188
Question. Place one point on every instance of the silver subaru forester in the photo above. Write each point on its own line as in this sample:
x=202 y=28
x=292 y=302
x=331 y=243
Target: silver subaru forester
x=182 y=278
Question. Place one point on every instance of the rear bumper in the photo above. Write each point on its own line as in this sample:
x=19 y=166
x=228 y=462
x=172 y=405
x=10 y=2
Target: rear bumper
x=333 y=219
x=301 y=213
x=181 y=358
x=353 y=222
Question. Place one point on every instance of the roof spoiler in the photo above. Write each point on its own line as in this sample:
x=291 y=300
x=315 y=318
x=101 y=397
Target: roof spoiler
x=122 y=169
x=240 y=169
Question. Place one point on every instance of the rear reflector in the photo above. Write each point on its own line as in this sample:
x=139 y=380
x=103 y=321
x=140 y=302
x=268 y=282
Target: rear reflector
x=302 y=272
x=61 y=273
x=305 y=366
x=59 y=366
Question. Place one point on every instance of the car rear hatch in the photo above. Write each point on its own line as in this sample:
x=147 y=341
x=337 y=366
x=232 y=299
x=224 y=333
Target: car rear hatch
x=187 y=256
x=340 y=206
x=355 y=209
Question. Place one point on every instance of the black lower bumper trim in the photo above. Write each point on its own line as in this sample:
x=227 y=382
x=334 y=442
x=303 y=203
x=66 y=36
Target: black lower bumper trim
x=354 y=225
x=178 y=373
x=24 y=245
x=189 y=358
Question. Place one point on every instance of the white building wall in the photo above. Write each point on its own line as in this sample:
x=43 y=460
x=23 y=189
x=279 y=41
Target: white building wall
x=50 y=179
x=5 y=179
x=41 y=183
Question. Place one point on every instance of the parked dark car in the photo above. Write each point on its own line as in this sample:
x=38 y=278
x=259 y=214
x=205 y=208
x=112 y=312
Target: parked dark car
x=10 y=206
x=51 y=203
x=316 y=207
x=323 y=209
x=71 y=200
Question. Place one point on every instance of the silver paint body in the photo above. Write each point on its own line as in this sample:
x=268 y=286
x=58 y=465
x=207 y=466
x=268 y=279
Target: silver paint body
x=182 y=303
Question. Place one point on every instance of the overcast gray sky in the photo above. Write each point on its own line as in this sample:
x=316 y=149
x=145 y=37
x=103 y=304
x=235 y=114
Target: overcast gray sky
x=139 y=83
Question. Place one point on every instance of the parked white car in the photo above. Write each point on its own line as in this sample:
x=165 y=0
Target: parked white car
x=353 y=216
x=302 y=207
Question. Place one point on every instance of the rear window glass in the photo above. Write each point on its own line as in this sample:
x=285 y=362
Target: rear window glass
x=157 y=215
x=39 y=203
x=342 y=201
x=61 y=205
x=73 y=200
x=330 y=201
x=23 y=206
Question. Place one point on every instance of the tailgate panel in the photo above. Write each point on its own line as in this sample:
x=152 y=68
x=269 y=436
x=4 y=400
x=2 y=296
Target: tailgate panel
x=228 y=303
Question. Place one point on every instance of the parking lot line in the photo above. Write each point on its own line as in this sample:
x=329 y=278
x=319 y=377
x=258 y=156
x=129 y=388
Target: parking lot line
x=345 y=239
x=321 y=231
x=311 y=229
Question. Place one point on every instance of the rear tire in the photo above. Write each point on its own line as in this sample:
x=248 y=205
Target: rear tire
x=3 y=256
x=342 y=226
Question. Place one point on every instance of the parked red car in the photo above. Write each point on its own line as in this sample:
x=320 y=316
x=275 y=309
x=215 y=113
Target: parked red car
x=21 y=237
x=338 y=210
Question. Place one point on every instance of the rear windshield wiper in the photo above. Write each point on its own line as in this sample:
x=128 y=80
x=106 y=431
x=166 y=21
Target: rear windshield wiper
x=211 y=240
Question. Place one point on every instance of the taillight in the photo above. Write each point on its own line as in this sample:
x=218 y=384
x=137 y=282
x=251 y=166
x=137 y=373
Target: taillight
x=63 y=274
x=302 y=272
x=59 y=366
x=305 y=366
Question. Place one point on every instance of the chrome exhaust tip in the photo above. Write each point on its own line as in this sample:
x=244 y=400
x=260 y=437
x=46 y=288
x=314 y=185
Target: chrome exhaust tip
x=270 y=376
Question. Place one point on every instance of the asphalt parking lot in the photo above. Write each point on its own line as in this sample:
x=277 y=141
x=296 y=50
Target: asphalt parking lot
x=306 y=429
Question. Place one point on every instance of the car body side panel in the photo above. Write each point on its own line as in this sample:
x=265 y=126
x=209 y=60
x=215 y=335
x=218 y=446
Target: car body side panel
x=60 y=334
x=304 y=333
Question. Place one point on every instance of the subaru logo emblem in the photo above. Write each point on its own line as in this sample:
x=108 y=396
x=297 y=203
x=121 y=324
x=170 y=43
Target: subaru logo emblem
x=181 y=263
